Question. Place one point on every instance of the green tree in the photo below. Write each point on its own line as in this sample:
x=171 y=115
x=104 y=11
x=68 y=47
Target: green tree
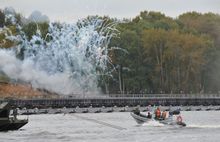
x=2 y=19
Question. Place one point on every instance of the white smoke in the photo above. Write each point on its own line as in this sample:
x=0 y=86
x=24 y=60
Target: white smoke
x=9 y=11
x=37 y=16
x=26 y=71
x=10 y=14
x=9 y=63
x=69 y=63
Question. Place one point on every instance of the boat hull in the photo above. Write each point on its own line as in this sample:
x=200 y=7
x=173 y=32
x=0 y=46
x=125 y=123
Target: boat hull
x=12 y=125
x=140 y=119
x=8 y=122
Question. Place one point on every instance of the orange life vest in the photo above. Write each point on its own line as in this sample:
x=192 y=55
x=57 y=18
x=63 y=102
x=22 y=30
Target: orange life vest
x=158 y=113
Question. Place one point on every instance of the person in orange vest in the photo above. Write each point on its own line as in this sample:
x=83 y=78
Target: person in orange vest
x=157 y=113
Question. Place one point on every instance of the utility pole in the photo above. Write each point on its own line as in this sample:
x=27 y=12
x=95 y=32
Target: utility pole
x=120 y=79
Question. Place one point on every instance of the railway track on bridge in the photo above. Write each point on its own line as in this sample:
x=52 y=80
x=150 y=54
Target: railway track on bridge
x=118 y=101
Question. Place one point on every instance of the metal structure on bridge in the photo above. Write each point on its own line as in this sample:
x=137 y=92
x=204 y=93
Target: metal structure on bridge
x=110 y=101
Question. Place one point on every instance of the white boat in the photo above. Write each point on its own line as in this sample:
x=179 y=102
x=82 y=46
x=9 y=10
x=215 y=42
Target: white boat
x=170 y=120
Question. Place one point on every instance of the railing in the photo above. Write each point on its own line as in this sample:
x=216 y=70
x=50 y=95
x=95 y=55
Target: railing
x=121 y=100
x=167 y=95
x=109 y=96
x=126 y=96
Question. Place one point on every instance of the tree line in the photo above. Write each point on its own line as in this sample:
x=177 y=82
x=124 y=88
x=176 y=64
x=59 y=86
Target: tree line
x=160 y=54
x=167 y=55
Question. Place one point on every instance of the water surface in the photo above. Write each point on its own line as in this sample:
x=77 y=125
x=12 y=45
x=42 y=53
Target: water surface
x=202 y=126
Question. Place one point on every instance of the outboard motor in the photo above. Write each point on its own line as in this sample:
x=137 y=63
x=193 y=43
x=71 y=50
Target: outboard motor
x=181 y=124
x=180 y=121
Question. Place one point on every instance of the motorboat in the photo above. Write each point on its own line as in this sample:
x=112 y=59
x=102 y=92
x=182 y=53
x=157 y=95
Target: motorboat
x=8 y=122
x=140 y=118
x=174 y=118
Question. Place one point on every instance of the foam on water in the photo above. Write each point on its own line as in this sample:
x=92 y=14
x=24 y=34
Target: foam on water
x=153 y=123
x=203 y=126
x=69 y=60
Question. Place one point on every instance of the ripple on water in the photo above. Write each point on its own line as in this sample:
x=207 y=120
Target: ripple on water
x=55 y=128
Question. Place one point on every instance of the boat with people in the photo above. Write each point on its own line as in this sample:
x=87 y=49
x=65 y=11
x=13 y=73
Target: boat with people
x=166 y=118
x=7 y=121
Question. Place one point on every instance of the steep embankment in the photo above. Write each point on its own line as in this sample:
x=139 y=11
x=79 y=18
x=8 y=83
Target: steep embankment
x=22 y=91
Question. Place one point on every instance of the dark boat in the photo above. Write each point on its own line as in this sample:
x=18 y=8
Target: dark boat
x=217 y=109
x=199 y=109
x=109 y=111
x=8 y=122
x=98 y=111
x=208 y=109
x=58 y=112
x=122 y=110
x=43 y=112
x=188 y=109
x=85 y=111
x=73 y=111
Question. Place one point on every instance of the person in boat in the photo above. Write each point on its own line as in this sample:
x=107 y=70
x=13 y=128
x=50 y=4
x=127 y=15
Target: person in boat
x=137 y=111
x=149 y=115
x=15 y=113
x=164 y=115
x=157 y=113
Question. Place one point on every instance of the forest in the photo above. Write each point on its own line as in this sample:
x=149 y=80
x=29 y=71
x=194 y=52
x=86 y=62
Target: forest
x=160 y=54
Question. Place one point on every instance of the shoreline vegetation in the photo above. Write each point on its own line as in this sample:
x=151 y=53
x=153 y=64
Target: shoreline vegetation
x=163 y=55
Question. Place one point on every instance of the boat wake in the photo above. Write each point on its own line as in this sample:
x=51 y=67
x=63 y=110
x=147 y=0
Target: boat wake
x=203 y=126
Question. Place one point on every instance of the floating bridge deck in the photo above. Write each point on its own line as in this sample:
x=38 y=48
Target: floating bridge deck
x=122 y=100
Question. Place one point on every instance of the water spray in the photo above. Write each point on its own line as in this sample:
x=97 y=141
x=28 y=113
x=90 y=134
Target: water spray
x=68 y=61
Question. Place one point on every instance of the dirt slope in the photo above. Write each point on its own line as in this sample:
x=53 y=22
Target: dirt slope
x=22 y=91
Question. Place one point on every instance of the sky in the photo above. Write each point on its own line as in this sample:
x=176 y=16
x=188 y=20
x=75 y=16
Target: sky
x=71 y=10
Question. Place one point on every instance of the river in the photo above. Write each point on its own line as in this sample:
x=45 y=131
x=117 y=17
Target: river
x=202 y=126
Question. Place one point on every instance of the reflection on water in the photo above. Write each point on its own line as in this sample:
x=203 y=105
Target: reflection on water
x=201 y=126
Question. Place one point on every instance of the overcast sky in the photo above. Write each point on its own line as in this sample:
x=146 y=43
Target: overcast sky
x=71 y=10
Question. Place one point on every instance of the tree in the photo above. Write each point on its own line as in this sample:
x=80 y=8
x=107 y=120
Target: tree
x=2 y=19
x=178 y=59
